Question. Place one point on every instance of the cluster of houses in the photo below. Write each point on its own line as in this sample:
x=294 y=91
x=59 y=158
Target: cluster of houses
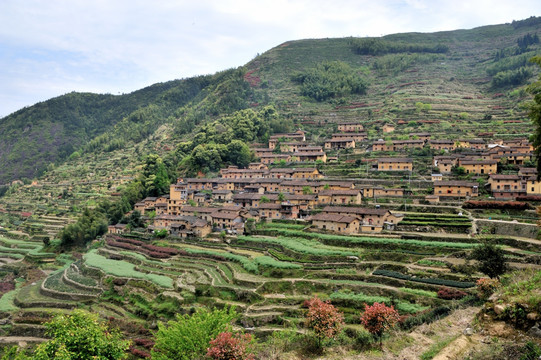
x=197 y=206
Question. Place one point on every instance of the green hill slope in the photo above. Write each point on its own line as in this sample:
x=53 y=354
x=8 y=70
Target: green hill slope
x=472 y=76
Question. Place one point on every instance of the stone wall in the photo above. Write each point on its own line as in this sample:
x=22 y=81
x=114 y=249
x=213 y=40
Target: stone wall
x=507 y=228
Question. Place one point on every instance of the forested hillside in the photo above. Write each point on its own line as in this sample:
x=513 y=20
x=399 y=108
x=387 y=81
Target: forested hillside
x=454 y=72
x=51 y=131
x=355 y=178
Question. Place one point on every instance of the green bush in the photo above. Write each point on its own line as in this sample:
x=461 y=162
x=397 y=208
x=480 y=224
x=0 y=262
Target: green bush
x=188 y=337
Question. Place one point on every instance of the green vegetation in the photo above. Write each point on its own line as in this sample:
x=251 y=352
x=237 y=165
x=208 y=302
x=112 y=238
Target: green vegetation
x=267 y=261
x=247 y=264
x=511 y=77
x=198 y=126
x=491 y=259
x=81 y=335
x=444 y=282
x=301 y=245
x=358 y=299
x=123 y=269
x=188 y=337
x=374 y=46
x=395 y=63
x=224 y=141
x=535 y=113
x=437 y=347
x=340 y=239
x=329 y=80
x=419 y=292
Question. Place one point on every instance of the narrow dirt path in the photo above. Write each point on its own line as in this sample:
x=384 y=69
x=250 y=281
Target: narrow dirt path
x=418 y=341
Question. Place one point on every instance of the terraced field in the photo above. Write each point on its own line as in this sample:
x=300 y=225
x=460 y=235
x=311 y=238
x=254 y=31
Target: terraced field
x=267 y=276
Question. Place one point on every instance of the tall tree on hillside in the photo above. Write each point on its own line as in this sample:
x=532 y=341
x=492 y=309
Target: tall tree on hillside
x=155 y=176
x=535 y=114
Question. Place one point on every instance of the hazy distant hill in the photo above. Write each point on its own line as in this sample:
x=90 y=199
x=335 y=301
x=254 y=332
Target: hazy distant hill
x=477 y=73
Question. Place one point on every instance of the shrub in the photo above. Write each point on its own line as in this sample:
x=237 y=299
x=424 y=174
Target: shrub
x=228 y=346
x=486 y=287
x=491 y=260
x=450 y=294
x=324 y=319
x=507 y=205
x=378 y=318
x=427 y=317
x=81 y=335
x=188 y=337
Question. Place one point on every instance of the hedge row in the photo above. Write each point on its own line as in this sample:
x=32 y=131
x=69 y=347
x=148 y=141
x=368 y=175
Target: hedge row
x=435 y=223
x=354 y=240
x=354 y=299
x=442 y=282
x=507 y=205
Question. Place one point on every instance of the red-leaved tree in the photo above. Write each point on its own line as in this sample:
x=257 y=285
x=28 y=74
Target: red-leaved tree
x=378 y=318
x=228 y=346
x=324 y=319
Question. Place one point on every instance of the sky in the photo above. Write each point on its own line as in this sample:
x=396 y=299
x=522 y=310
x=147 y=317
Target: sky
x=52 y=47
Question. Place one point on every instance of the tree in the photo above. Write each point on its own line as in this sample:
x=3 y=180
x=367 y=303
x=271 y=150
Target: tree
x=307 y=190
x=238 y=153
x=188 y=336
x=281 y=197
x=90 y=225
x=324 y=319
x=378 y=318
x=81 y=335
x=155 y=176
x=229 y=346
x=535 y=114
x=135 y=220
x=491 y=259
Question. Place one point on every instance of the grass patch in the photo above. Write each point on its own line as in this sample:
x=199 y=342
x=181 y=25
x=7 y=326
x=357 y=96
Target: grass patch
x=369 y=240
x=437 y=347
x=300 y=245
x=360 y=298
x=122 y=268
x=419 y=292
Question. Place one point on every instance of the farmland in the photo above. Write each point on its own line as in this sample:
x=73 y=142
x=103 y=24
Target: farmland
x=419 y=262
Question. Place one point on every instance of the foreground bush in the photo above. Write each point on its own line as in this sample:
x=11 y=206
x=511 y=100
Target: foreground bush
x=486 y=287
x=324 y=319
x=189 y=336
x=83 y=336
x=229 y=346
x=378 y=318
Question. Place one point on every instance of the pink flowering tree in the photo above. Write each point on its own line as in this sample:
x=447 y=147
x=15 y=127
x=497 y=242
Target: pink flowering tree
x=324 y=319
x=229 y=346
x=378 y=318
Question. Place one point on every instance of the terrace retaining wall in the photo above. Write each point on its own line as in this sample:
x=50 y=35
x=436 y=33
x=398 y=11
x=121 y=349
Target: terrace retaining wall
x=509 y=228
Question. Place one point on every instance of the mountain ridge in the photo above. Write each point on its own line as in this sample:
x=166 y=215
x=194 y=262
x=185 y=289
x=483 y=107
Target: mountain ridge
x=51 y=131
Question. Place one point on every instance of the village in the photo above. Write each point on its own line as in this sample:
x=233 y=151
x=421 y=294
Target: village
x=287 y=184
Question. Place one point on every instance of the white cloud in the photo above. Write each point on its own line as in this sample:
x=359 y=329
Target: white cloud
x=56 y=46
